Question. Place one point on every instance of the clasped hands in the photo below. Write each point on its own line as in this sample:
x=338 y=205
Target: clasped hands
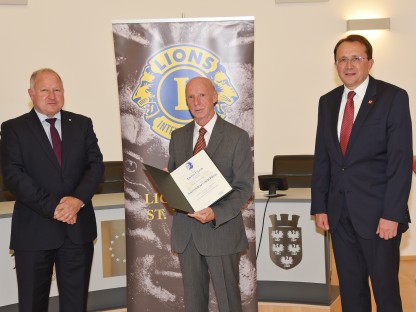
x=67 y=209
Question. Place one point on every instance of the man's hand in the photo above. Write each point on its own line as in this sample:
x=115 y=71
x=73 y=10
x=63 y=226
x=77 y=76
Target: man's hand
x=67 y=209
x=387 y=229
x=321 y=221
x=73 y=220
x=204 y=216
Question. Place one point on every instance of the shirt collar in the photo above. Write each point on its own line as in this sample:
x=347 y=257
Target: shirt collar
x=360 y=90
x=209 y=126
x=43 y=117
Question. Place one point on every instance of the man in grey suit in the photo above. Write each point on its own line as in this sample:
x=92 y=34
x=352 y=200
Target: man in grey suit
x=209 y=242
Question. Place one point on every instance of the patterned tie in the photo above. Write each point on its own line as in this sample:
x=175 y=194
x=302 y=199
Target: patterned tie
x=56 y=139
x=347 y=122
x=200 y=143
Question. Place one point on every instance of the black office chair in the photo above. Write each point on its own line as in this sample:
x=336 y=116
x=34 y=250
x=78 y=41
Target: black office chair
x=112 y=180
x=297 y=169
x=5 y=195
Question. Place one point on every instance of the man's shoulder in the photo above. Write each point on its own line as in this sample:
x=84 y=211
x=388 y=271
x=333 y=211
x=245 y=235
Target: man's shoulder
x=383 y=85
x=188 y=127
x=229 y=124
x=334 y=92
x=229 y=127
x=17 y=120
x=68 y=114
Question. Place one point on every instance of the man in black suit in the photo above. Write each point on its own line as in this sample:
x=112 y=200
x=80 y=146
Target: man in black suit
x=209 y=241
x=53 y=171
x=362 y=177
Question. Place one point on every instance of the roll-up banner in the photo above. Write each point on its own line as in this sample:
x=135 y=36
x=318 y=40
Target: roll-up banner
x=154 y=61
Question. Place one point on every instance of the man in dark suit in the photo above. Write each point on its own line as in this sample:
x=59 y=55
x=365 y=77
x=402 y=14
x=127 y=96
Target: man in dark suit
x=362 y=176
x=53 y=172
x=209 y=241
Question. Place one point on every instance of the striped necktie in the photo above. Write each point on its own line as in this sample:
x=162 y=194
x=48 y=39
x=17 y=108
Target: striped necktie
x=200 y=143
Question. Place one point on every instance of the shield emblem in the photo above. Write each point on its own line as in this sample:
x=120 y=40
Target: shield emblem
x=285 y=241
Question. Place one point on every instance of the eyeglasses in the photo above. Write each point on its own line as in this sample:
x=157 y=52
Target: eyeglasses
x=353 y=60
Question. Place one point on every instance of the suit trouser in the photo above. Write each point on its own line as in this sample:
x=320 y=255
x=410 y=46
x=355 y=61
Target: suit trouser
x=196 y=272
x=357 y=259
x=34 y=273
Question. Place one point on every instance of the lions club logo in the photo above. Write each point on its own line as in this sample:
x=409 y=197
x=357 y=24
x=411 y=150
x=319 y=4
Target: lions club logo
x=285 y=241
x=161 y=87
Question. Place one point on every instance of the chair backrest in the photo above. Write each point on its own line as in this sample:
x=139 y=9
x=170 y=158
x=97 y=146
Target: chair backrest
x=112 y=181
x=113 y=178
x=297 y=169
x=5 y=195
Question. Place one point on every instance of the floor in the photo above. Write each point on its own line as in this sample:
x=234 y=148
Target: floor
x=407 y=276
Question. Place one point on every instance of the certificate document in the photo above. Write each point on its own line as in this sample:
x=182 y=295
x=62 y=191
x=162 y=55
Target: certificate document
x=195 y=185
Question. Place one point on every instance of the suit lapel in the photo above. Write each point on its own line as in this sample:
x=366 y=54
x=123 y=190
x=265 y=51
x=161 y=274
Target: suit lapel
x=216 y=136
x=214 y=141
x=188 y=140
x=41 y=137
x=67 y=135
x=334 y=113
x=365 y=108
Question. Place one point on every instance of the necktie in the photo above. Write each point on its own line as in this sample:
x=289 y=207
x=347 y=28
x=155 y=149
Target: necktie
x=347 y=122
x=56 y=139
x=200 y=143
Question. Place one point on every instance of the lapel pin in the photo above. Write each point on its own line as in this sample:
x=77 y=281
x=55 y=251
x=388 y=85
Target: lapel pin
x=69 y=119
x=370 y=102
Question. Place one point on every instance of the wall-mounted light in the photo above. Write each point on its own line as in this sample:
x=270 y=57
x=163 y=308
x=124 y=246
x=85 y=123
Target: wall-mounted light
x=368 y=24
x=13 y=1
x=299 y=1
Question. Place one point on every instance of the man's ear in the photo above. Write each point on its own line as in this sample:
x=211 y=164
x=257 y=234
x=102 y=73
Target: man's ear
x=30 y=91
x=216 y=98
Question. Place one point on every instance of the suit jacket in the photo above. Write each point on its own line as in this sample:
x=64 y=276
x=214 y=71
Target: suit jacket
x=374 y=177
x=32 y=174
x=230 y=149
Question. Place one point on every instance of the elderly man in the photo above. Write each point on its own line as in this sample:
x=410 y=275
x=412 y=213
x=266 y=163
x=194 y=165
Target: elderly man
x=209 y=242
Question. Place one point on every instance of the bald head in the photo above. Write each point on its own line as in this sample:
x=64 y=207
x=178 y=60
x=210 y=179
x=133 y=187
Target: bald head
x=200 y=81
x=201 y=98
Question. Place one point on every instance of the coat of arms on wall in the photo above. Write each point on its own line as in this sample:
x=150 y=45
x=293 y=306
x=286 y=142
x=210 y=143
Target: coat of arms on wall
x=285 y=241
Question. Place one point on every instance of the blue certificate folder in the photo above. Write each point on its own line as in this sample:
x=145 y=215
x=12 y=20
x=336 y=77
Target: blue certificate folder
x=195 y=185
x=168 y=187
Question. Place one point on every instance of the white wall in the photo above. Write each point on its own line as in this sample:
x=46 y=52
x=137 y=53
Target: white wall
x=293 y=60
